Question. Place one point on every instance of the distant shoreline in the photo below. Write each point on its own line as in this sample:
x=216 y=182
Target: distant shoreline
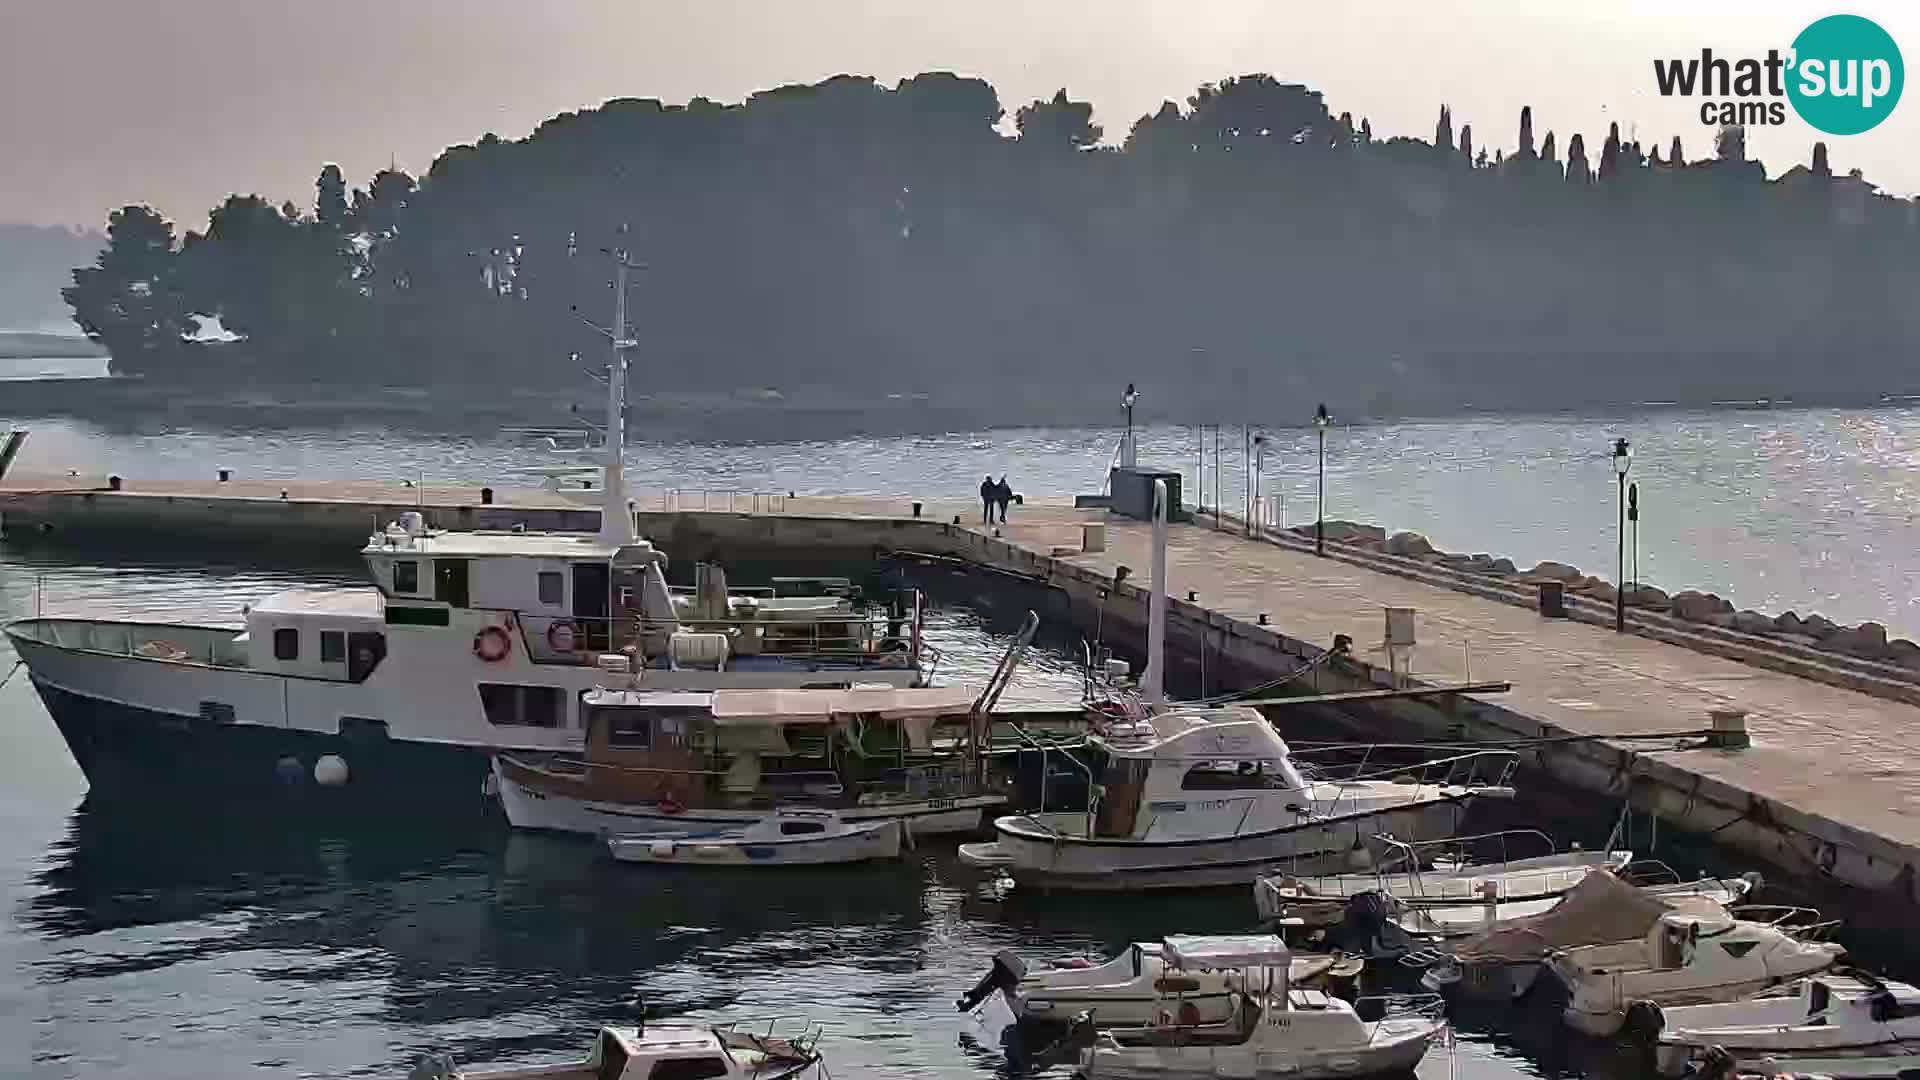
x=34 y=345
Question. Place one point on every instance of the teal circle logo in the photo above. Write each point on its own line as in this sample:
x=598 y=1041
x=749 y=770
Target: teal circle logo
x=1846 y=75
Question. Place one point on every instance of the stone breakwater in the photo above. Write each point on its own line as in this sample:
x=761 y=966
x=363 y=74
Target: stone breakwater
x=1867 y=641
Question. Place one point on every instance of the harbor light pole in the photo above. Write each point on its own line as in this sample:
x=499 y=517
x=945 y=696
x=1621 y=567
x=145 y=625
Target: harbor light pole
x=1320 y=422
x=1622 y=461
x=1127 y=458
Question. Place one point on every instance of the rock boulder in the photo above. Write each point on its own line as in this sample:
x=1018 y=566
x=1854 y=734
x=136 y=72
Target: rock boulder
x=1752 y=622
x=1867 y=641
x=1648 y=596
x=1905 y=653
x=1555 y=571
x=1408 y=543
x=1696 y=606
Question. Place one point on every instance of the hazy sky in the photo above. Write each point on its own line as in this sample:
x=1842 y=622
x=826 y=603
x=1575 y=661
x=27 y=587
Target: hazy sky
x=177 y=103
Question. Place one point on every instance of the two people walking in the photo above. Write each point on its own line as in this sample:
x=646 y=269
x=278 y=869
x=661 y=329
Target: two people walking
x=995 y=495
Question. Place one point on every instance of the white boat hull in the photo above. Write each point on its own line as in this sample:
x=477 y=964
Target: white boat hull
x=853 y=844
x=1078 y=863
x=529 y=809
x=1795 y=1026
x=1395 y=1046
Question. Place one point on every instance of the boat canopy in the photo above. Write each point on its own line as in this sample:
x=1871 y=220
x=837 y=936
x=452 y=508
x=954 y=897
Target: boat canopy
x=1189 y=952
x=1600 y=910
x=797 y=706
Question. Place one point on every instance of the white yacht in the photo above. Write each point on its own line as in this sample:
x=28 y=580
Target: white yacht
x=468 y=644
x=1194 y=798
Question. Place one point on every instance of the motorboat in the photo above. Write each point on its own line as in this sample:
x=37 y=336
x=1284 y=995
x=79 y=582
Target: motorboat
x=1687 y=958
x=1800 y=1027
x=470 y=642
x=1273 y=1028
x=652 y=1051
x=1131 y=988
x=679 y=760
x=1503 y=960
x=1439 y=879
x=786 y=837
x=1204 y=797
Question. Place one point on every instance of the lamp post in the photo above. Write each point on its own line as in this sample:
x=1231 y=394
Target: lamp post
x=1622 y=461
x=1127 y=458
x=1320 y=423
x=1254 y=522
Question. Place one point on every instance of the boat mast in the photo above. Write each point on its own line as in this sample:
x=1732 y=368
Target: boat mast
x=1153 y=680
x=616 y=522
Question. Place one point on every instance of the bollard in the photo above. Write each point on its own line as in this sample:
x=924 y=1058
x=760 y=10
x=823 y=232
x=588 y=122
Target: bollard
x=113 y=483
x=1093 y=536
x=1263 y=618
x=1727 y=729
x=916 y=509
x=226 y=475
x=1192 y=596
x=956 y=519
x=486 y=496
x=283 y=493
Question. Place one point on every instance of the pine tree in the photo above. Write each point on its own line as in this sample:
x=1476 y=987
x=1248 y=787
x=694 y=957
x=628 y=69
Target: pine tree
x=1466 y=141
x=1820 y=167
x=1443 y=131
x=1610 y=154
x=1526 y=131
x=1578 y=171
x=1674 y=156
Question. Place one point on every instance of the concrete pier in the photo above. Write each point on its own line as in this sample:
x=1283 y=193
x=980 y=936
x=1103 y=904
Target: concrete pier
x=1828 y=792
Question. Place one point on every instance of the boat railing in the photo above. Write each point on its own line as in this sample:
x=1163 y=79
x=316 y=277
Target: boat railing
x=723 y=500
x=764 y=1031
x=1475 y=769
x=933 y=781
x=1649 y=873
x=1414 y=857
x=857 y=638
x=196 y=645
x=1403 y=1006
x=1027 y=739
x=1804 y=923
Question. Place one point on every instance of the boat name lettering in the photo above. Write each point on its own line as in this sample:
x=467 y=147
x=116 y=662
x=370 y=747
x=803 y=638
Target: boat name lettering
x=940 y=804
x=1167 y=807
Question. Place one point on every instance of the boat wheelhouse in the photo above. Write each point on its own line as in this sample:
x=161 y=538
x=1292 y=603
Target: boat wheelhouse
x=659 y=760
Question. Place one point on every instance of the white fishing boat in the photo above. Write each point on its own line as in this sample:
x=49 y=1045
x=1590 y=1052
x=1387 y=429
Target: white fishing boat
x=1273 y=1030
x=1801 y=1027
x=1198 y=798
x=652 y=1052
x=680 y=760
x=1504 y=959
x=1134 y=987
x=1440 y=881
x=787 y=837
x=469 y=642
x=1685 y=958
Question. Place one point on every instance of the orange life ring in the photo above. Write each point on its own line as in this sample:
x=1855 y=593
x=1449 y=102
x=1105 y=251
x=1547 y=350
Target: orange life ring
x=492 y=644
x=560 y=637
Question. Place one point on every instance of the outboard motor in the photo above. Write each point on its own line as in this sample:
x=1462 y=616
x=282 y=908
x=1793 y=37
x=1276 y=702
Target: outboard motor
x=1005 y=974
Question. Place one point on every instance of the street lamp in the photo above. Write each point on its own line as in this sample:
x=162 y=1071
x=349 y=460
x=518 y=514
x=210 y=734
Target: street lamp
x=1622 y=461
x=1320 y=423
x=1127 y=458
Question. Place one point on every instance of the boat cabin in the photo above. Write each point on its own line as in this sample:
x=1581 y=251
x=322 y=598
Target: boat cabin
x=689 y=1053
x=331 y=634
x=1189 y=762
x=754 y=748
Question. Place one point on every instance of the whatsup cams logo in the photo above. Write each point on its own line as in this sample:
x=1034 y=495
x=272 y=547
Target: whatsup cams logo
x=1843 y=75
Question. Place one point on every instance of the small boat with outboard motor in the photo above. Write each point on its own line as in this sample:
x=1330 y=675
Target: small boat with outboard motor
x=1810 y=1025
x=1132 y=987
x=786 y=837
x=735 y=1051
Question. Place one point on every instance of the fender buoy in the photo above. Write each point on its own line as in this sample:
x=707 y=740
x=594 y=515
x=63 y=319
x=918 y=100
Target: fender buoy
x=560 y=637
x=492 y=644
x=670 y=805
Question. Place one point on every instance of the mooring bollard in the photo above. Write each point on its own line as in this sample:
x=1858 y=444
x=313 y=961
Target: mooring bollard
x=916 y=509
x=1263 y=618
x=113 y=483
x=486 y=496
x=226 y=475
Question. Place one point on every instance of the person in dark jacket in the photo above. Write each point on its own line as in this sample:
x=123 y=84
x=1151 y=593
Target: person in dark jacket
x=989 y=495
x=1003 y=493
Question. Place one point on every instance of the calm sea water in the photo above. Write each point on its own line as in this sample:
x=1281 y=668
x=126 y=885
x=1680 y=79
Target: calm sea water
x=164 y=943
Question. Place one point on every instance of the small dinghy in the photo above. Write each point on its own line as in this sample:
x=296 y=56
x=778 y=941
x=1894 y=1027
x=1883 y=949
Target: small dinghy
x=641 y=1053
x=1687 y=958
x=1135 y=986
x=1273 y=1029
x=1812 y=1022
x=789 y=837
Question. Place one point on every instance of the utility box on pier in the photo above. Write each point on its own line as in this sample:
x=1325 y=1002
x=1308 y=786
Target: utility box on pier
x=1132 y=493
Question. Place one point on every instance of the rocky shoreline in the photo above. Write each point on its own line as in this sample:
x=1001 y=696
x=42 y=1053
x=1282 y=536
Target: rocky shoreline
x=1866 y=641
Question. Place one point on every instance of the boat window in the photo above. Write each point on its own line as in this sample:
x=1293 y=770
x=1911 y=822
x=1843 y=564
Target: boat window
x=365 y=648
x=801 y=828
x=333 y=646
x=1228 y=776
x=286 y=643
x=629 y=729
x=700 y=1068
x=522 y=706
x=406 y=576
x=416 y=616
x=553 y=587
